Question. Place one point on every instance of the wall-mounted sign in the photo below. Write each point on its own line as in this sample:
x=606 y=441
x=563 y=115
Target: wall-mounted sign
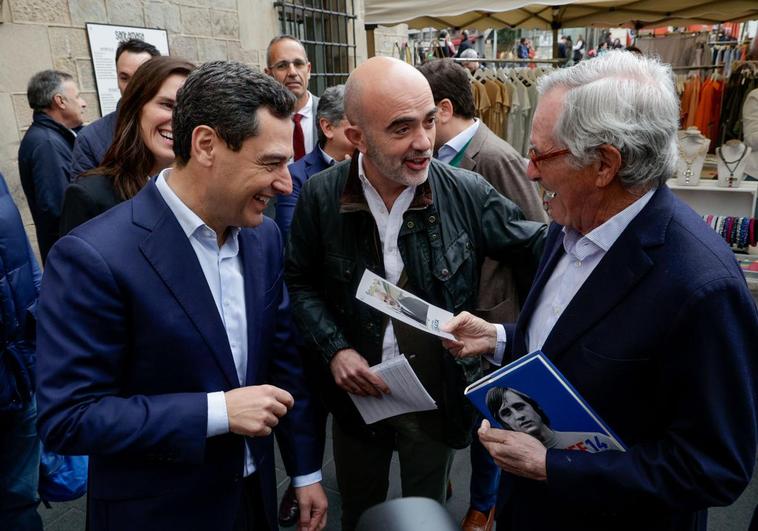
x=103 y=41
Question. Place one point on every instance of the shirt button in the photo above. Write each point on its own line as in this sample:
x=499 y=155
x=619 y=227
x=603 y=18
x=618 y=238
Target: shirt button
x=578 y=263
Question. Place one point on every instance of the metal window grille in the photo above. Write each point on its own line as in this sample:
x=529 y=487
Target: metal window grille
x=327 y=30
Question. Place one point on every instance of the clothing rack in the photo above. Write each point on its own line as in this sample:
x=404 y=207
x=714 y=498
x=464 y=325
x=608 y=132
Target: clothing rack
x=523 y=61
x=719 y=43
x=653 y=37
x=707 y=67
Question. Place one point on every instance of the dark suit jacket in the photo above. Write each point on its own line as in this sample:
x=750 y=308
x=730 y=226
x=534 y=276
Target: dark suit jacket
x=44 y=165
x=300 y=171
x=661 y=342
x=272 y=210
x=92 y=143
x=87 y=198
x=502 y=288
x=129 y=344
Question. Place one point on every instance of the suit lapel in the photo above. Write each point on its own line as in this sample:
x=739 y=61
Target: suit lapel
x=619 y=271
x=311 y=160
x=170 y=253
x=468 y=162
x=251 y=253
x=616 y=274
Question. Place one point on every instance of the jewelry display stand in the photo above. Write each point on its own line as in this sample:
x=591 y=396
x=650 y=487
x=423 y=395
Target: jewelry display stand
x=732 y=158
x=693 y=147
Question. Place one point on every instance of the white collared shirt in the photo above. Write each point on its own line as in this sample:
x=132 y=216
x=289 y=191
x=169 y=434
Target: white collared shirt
x=453 y=146
x=583 y=254
x=327 y=157
x=222 y=268
x=306 y=122
x=388 y=225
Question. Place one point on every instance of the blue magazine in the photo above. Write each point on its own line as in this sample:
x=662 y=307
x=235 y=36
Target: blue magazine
x=532 y=396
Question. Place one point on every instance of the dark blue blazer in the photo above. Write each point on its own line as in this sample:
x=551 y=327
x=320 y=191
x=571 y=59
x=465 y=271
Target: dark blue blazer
x=661 y=341
x=129 y=344
x=44 y=166
x=301 y=171
x=92 y=142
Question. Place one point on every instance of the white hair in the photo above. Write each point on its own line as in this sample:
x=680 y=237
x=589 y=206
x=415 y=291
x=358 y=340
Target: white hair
x=623 y=100
x=469 y=53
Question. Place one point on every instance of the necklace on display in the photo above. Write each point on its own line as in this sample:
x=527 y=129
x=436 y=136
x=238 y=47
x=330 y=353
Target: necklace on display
x=728 y=163
x=688 y=173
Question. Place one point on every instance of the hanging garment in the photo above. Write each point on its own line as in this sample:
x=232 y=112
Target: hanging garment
x=709 y=110
x=499 y=106
x=481 y=100
x=692 y=110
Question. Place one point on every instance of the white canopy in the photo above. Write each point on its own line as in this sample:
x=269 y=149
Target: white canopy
x=483 y=14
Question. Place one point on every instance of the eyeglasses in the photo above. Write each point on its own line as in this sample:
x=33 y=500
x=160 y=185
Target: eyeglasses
x=536 y=158
x=283 y=66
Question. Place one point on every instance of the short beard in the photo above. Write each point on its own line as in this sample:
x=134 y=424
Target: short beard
x=397 y=171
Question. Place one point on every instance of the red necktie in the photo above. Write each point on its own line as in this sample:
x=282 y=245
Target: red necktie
x=298 y=139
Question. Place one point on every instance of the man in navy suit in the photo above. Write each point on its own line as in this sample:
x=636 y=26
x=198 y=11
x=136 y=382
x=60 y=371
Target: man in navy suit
x=164 y=345
x=333 y=146
x=640 y=305
x=94 y=140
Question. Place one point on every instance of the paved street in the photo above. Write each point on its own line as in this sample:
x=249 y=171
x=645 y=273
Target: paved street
x=70 y=516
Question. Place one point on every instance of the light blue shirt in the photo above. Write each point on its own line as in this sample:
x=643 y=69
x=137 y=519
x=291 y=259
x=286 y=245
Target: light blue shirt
x=222 y=268
x=583 y=254
x=453 y=146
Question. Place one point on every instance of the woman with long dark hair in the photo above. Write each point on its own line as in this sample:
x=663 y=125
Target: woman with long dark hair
x=142 y=145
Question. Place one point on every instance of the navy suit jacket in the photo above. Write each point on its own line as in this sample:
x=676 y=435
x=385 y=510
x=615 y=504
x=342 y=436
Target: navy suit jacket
x=301 y=171
x=661 y=342
x=92 y=143
x=129 y=344
x=44 y=165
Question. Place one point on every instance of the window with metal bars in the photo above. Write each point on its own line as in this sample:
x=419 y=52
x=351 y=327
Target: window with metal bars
x=327 y=30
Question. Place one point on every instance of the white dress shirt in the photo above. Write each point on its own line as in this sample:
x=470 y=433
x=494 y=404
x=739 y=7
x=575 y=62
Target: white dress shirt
x=306 y=122
x=222 y=268
x=388 y=224
x=453 y=146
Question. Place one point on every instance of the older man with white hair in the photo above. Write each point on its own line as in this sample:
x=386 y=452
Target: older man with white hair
x=640 y=305
x=473 y=64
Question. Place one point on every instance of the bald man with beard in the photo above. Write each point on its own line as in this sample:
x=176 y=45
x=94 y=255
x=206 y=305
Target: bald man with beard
x=418 y=223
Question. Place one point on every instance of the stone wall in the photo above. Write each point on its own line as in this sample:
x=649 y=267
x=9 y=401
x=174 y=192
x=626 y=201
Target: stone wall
x=40 y=34
x=386 y=37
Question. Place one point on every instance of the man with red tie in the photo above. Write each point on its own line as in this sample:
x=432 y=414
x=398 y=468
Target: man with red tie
x=288 y=64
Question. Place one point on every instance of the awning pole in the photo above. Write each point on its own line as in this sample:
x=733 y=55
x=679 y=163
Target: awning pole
x=370 y=43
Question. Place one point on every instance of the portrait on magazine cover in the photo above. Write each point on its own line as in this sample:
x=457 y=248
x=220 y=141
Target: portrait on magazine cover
x=517 y=411
x=531 y=396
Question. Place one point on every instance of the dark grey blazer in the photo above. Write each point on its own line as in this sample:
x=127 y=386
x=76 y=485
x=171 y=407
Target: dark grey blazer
x=501 y=289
